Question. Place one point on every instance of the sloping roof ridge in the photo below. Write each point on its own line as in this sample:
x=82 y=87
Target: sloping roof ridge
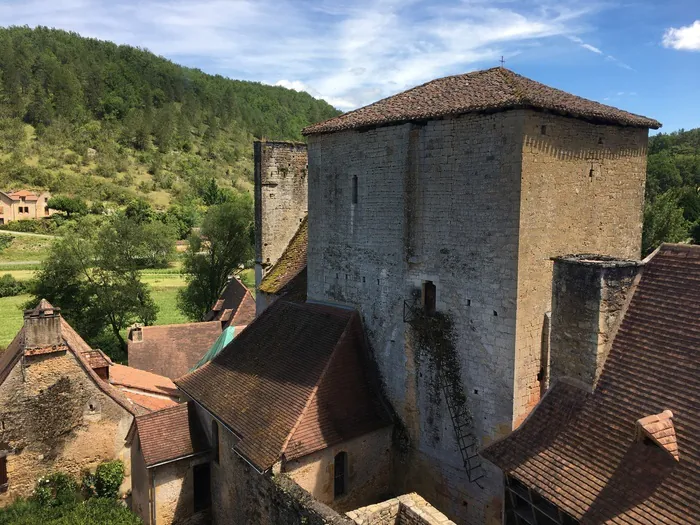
x=193 y=323
x=267 y=285
x=314 y=392
x=107 y=388
x=157 y=413
x=240 y=305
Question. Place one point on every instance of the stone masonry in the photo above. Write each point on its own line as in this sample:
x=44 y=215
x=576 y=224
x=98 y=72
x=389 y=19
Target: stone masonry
x=409 y=509
x=588 y=298
x=476 y=204
x=280 y=199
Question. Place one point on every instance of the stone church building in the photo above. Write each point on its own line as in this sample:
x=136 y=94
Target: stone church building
x=451 y=199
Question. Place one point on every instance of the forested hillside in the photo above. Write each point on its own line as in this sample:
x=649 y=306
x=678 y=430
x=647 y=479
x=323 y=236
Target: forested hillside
x=107 y=122
x=672 y=210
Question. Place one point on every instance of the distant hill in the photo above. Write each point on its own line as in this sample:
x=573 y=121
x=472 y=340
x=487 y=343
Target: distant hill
x=673 y=189
x=109 y=122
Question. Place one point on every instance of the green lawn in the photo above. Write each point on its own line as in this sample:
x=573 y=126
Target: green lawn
x=10 y=318
x=25 y=248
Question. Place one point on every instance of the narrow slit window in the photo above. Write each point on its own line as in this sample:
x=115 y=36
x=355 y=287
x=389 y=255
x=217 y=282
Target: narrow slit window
x=340 y=464
x=429 y=297
x=354 y=189
x=3 y=474
x=215 y=441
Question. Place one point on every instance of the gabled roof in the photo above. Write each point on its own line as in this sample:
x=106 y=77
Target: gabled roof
x=235 y=306
x=490 y=90
x=285 y=275
x=580 y=450
x=168 y=435
x=292 y=382
x=17 y=195
x=171 y=350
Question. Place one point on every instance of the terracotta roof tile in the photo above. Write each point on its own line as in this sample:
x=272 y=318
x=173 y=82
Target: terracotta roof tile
x=580 y=450
x=97 y=359
x=171 y=350
x=141 y=380
x=150 y=402
x=496 y=89
x=261 y=384
x=659 y=428
x=290 y=265
x=169 y=434
x=236 y=305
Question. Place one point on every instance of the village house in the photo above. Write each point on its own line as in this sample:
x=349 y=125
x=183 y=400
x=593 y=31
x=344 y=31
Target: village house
x=615 y=439
x=65 y=406
x=23 y=204
x=435 y=213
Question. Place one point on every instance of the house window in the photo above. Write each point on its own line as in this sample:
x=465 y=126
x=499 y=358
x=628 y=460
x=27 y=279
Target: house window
x=354 y=189
x=340 y=464
x=429 y=297
x=202 y=486
x=3 y=474
x=215 y=441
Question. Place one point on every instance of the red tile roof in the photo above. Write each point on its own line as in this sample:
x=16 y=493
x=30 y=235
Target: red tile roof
x=235 y=306
x=150 y=402
x=292 y=358
x=172 y=350
x=168 y=435
x=659 y=428
x=284 y=274
x=129 y=377
x=579 y=450
x=496 y=89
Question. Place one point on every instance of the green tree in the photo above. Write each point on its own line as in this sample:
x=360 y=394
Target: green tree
x=663 y=222
x=222 y=245
x=71 y=206
x=92 y=275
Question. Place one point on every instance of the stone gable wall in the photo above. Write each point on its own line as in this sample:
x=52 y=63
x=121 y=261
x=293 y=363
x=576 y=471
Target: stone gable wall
x=409 y=509
x=54 y=418
x=281 y=196
x=582 y=192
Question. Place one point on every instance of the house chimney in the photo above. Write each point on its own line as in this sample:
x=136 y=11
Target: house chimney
x=136 y=333
x=589 y=293
x=42 y=326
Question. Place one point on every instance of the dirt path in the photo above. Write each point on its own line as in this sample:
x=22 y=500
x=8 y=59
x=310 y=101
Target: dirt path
x=27 y=234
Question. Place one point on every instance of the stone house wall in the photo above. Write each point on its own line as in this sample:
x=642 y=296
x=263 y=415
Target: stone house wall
x=281 y=195
x=240 y=494
x=461 y=202
x=55 y=418
x=582 y=192
x=368 y=475
x=409 y=509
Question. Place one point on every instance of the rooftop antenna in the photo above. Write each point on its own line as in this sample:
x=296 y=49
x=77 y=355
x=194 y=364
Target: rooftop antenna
x=502 y=61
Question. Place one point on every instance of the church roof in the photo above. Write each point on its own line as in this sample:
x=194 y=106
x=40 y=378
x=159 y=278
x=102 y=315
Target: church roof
x=490 y=90
x=291 y=383
x=582 y=450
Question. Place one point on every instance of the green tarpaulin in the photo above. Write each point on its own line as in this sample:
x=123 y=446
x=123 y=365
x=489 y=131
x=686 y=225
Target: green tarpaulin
x=225 y=338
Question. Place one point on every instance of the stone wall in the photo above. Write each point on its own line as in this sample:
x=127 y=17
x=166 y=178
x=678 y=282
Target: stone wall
x=582 y=192
x=55 y=418
x=280 y=199
x=140 y=483
x=588 y=298
x=175 y=493
x=438 y=202
x=477 y=205
x=409 y=509
x=368 y=475
x=240 y=494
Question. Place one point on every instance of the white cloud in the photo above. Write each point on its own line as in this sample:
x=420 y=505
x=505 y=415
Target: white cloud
x=592 y=48
x=348 y=53
x=686 y=38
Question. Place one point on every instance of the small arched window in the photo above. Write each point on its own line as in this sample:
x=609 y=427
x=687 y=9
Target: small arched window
x=354 y=189
x=340 y=465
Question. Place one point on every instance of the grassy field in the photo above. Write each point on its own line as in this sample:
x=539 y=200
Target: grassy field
x=164 y=285
x=24 y=248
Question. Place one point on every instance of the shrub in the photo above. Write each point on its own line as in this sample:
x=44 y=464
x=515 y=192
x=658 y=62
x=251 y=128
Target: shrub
x=5 y=241
x=55 y=489
x=105 y=482
x=9 y=286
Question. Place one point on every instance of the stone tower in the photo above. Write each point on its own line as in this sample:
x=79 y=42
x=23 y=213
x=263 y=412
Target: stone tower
x=281 y=194
x=448 y=202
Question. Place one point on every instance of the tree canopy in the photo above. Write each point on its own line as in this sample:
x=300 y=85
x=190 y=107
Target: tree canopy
x=222 y=245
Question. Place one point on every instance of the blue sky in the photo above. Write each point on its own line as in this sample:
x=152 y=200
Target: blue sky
x=643 y=56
